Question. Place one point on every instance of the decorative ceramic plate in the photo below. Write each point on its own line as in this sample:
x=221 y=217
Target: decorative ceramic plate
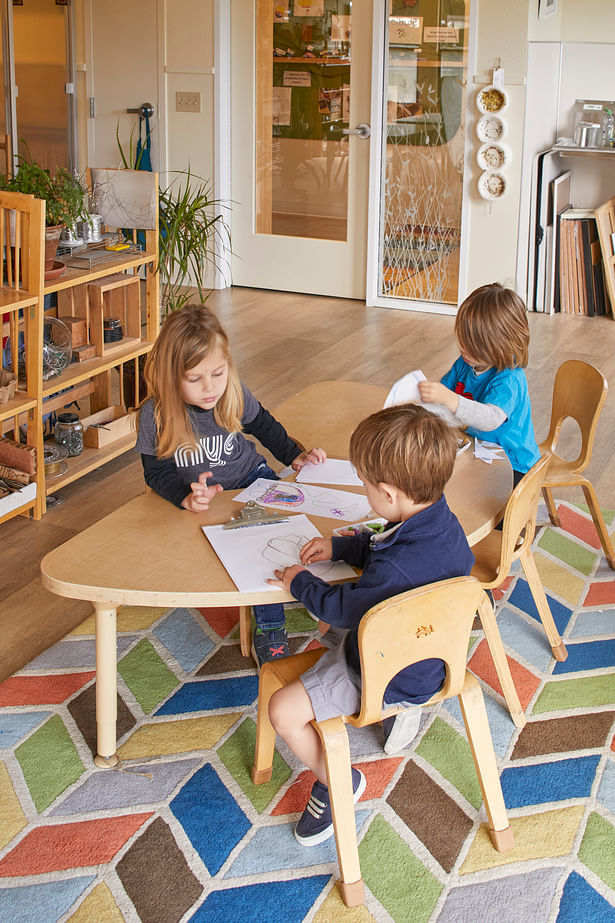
x=492 y=185
x=493 y=156
x=491 y=100
x=490 y=128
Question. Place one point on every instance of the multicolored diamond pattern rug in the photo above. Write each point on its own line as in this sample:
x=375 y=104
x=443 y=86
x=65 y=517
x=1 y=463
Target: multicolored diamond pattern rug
x=180 y=833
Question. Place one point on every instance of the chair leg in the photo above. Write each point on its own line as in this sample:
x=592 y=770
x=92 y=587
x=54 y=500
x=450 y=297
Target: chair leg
x=245 y=615
x=594 y=508
x=268 y=683
x=479 y=736
x=274 y=676
x=494 y=640
x=551 y=508
x=339 y=779
x=533 y=578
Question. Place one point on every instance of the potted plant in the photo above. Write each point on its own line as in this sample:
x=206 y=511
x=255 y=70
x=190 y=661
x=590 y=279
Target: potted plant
x=190 y=228
x=65 y=197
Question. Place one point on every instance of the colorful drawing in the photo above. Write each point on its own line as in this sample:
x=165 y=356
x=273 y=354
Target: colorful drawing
x=286 y=494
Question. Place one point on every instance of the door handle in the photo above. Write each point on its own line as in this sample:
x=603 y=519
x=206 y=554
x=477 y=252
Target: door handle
x=361 y=131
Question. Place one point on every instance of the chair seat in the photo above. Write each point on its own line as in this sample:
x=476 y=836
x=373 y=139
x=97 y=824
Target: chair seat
x=560 y=471
x=487 y=559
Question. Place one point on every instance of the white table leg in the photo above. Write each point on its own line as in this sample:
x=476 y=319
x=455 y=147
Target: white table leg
x=106 y=686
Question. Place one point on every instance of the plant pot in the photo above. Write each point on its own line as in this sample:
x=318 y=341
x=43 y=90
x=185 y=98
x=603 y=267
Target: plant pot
x=52 y=239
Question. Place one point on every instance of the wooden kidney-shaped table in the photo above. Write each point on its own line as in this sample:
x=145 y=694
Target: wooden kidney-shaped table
x=150 y=553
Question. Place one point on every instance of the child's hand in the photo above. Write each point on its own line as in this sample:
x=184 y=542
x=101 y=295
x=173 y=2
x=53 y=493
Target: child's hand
x=317 y=549
x=315 y=456
x=198 y=501
x=284 y=578
x=434 y=392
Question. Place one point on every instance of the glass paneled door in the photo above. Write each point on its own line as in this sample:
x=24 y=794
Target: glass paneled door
x=301 y=150
x=422 y=129
x=318 y=135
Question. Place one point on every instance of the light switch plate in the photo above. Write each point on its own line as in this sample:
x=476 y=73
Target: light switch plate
x=187 y=102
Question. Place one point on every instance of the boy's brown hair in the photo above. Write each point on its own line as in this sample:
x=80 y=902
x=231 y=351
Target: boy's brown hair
x=408 y=447
x=491 y=326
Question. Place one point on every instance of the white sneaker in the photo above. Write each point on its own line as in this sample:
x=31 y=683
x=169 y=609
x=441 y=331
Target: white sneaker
x=400 y=730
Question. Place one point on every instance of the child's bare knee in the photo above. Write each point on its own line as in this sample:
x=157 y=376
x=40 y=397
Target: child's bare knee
x=277 y=708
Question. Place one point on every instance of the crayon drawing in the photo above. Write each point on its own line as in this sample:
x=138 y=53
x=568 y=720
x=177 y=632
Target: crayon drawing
x=315 y=500
x=252 y=554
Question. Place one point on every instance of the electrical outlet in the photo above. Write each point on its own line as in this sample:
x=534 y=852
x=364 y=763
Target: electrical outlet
x=187 y=102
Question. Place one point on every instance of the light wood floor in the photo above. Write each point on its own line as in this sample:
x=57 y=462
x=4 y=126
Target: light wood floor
x=282 y=342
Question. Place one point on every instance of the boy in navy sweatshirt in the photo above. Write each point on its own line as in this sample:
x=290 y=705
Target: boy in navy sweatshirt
x=405 y=456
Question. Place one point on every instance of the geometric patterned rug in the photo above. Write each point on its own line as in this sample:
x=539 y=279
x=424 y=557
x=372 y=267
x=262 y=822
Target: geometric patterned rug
x=180 y=833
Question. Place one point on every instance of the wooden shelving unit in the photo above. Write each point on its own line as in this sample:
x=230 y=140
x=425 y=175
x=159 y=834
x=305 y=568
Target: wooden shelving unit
x=22 y=244
x=91 y=378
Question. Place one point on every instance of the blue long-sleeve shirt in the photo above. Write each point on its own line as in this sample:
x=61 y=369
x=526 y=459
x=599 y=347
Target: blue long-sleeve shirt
x=428 y=547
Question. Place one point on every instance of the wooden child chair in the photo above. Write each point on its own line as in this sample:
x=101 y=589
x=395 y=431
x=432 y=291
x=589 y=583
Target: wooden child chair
x=579 y=391
x=493 y=559
x=431 y=621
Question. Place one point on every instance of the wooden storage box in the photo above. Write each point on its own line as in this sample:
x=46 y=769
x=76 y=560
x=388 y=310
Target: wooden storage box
x=117 y=423
x=78 y=327
x=118 y=296
x=8 y=385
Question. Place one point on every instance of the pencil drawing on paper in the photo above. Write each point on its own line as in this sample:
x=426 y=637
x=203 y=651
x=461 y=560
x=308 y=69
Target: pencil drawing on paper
x=284 y=550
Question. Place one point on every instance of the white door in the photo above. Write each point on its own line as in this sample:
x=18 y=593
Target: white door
x=121 y=74
x=301 y=80
x=308 y=78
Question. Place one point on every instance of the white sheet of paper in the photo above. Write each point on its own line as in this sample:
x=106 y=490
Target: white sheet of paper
x=406 y=389
x=487 y=451
x=307 y=498
x=250 y=555
x=331 y=471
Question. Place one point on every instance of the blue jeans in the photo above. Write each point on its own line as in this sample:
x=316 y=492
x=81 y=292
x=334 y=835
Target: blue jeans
x=267 y=618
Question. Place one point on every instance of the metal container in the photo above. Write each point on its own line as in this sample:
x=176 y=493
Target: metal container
x=91 y=230
x=586 y=134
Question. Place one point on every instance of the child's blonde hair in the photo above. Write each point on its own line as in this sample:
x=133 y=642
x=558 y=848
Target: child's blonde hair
x=491 y=326
x=185 y=338
x=408 y=447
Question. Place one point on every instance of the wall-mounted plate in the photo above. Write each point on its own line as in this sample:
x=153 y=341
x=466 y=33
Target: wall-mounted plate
x=490 y=128
x=492 y=185
x=493 y=156
x=491 y=100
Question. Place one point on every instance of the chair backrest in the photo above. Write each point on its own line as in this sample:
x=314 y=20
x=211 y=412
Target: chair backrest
x=430 y=621
x=22 y=222
x=520 y=513
x=579 y=391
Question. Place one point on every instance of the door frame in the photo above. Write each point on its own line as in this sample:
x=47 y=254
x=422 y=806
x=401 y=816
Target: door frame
x=373 y=299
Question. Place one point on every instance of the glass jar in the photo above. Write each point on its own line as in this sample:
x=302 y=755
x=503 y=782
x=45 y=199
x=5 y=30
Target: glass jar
x=68 y=432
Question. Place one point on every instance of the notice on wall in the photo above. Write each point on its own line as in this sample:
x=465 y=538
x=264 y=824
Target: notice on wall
x=309 y=8
x=440 y=34
x=340 y=28
x=280 y=105
x=297 y=79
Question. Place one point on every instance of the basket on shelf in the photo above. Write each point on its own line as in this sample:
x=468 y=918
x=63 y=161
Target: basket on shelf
x=8 y=384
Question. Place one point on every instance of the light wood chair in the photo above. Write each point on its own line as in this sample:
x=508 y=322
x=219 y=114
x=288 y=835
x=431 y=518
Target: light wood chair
x=579 y=391
x=493 y=559
x=431 y=621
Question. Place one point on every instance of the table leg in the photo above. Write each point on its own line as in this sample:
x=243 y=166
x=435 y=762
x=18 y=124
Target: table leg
x=106 y=686
x=245 y=622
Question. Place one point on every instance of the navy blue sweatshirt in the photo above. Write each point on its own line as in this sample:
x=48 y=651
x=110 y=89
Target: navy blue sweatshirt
x=428 y=547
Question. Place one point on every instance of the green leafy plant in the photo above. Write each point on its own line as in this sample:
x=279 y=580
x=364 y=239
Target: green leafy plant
x=190 y=228
x=65 y=197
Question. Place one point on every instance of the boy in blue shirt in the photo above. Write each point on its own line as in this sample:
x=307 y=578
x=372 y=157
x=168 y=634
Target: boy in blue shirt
x=405 y=456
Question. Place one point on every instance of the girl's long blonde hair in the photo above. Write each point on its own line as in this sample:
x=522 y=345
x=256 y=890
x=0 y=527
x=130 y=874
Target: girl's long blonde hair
x=491 y=325
x=185 y=338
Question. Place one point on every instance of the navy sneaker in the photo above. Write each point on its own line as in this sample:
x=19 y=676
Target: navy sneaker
x=269 y=645
x=316 y=823
x=400 y=730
